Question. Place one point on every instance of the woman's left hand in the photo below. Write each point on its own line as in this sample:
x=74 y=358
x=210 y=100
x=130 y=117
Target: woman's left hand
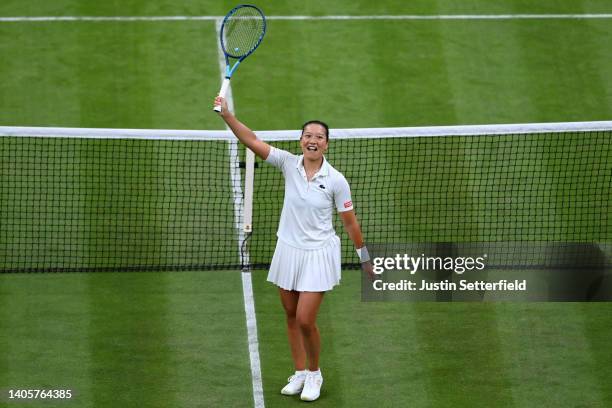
x=369 y=270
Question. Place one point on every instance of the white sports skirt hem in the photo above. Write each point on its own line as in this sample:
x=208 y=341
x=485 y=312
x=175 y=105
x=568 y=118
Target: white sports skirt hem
x=306 y=270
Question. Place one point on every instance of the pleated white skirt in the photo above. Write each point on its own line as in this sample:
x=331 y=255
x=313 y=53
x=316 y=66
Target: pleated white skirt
x=306 y=270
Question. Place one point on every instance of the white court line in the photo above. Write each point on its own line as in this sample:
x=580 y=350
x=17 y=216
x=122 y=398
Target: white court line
x=447 y=17
x=247 y=285
x=18 y=19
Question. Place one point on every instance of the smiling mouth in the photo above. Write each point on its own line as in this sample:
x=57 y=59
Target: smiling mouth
x=312 y=148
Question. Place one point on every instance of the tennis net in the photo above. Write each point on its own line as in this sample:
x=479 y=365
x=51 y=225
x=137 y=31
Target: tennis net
x=118 y=200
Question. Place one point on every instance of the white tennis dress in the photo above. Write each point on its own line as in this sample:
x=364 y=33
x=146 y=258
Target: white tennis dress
x=307 y=255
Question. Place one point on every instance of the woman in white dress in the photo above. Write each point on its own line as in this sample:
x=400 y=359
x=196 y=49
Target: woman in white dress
x=306 y=262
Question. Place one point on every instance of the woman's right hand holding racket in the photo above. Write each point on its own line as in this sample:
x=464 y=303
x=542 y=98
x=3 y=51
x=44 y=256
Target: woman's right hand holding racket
x=220 y=101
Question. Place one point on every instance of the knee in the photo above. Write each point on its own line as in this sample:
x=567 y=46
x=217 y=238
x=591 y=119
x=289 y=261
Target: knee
x=306 y=325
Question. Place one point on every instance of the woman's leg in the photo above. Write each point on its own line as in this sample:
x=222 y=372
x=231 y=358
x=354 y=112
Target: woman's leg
x=289 y=299
x=306 y=319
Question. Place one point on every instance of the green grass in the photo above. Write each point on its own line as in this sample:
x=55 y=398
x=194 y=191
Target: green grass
x=139 y=75
x=440 y=354
x=399 y=73
x=179 y=339
x=126 y=339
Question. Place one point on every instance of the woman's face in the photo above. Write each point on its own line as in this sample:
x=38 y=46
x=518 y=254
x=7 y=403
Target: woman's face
x=313 y=142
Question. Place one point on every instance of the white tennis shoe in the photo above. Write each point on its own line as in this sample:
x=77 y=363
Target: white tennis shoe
x=312 y=386
x=296 y=383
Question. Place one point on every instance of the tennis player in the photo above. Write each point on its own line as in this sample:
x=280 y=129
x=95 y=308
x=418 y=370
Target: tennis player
x=306 y=262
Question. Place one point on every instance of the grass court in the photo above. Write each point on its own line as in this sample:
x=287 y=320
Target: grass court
x=179 y=339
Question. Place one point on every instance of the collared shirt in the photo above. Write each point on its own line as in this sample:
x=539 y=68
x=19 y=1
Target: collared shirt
x=306 y=219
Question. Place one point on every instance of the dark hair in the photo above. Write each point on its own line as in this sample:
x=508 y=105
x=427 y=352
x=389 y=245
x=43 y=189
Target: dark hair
x=317 y=122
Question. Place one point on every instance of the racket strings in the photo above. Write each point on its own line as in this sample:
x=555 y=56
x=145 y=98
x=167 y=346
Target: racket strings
x=243 y=31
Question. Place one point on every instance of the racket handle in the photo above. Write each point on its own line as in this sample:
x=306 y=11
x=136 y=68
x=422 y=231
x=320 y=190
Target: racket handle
x=222 y=93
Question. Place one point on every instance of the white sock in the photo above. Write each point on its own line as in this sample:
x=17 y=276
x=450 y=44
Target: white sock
x=303 y=372
x=316 y=372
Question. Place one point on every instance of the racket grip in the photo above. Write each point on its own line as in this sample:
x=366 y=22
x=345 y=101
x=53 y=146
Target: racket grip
x=222 y=93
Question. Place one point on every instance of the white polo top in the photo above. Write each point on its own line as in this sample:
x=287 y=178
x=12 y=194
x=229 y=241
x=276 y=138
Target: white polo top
x=306 y=219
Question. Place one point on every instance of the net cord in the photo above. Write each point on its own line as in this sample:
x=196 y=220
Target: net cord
x=289 y=135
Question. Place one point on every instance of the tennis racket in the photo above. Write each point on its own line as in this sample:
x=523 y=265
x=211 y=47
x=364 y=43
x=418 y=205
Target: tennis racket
x=242 y=31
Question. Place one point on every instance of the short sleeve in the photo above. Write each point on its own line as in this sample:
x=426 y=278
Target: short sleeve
x=342 y=195
x=278 y=157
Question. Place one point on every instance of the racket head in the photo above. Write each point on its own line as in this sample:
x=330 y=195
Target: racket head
x=242 y=31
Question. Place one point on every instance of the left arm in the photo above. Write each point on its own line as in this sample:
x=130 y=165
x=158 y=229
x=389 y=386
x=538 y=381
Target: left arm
x=351 y=225
x=342 y=199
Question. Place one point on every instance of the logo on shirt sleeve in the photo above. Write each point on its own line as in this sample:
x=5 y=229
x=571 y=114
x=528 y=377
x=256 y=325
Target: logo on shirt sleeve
x=348 y=204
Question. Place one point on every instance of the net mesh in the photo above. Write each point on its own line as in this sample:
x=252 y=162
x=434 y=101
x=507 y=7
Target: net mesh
x=242 y=31
x=100 y=204
x=79 y=204
x=539 y=188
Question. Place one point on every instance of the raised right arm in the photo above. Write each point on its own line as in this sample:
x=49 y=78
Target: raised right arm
x=243 y=133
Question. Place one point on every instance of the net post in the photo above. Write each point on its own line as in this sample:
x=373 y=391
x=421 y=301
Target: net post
x=248 y=191
x=247 y=226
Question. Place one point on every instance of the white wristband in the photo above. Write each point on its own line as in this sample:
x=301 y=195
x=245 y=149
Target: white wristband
x=363 y=254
